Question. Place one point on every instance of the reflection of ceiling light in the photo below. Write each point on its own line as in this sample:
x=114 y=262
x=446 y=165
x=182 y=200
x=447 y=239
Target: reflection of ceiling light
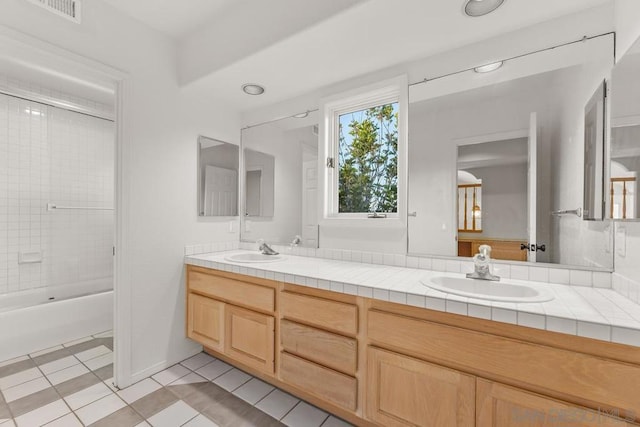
x=301 y=115
x=252 y=89
x=475 y=8
x=489 y=67
x=477 y=212
x=33 y=112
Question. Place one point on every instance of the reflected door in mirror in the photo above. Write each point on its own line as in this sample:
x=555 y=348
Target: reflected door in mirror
x=594 y=155
x=254 y=183
x=220 y=191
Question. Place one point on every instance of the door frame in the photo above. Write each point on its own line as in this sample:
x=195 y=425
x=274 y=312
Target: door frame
x=59 y=59
x=473 y=140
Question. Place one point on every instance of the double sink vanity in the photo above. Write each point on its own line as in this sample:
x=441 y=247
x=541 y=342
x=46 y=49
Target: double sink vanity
x=383 y=345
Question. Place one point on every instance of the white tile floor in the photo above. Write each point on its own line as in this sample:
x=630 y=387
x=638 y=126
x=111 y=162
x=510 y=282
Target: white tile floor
x=99 y=401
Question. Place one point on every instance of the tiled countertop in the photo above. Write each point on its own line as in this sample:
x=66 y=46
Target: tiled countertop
x=597 y=313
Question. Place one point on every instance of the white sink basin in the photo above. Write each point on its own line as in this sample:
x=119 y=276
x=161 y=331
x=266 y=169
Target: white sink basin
x=250 y=257
x=485 y=289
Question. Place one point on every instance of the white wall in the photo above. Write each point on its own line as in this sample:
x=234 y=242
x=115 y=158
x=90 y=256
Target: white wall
x=158 y=208
x=504 y=202
x=627 y=24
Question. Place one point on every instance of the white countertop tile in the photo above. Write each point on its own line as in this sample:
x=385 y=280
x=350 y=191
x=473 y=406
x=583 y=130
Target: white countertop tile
x=592 y=312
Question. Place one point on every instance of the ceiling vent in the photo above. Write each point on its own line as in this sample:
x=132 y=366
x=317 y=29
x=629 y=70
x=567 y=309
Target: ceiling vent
x=69 y=9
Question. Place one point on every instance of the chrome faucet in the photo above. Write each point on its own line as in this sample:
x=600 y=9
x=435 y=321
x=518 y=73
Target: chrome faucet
x=482 y=265
x=296 y=241
x=266 y=249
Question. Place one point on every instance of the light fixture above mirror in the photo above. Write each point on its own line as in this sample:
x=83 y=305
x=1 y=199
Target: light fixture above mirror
x=475 y=8
x=252 y=89
x=487 y=68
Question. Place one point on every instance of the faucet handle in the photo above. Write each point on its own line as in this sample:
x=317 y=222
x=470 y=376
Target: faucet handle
x=485 y=250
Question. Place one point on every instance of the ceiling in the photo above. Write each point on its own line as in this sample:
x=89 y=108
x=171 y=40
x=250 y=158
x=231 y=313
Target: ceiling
x=291 y=52
x=171 y=17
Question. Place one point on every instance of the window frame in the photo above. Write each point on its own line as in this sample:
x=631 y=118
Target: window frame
x=385 y=92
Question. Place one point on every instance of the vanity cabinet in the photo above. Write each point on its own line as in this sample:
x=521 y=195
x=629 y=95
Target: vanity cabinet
x=377 y=363
x=503 y=406
x=404 y=391
x=233 y=317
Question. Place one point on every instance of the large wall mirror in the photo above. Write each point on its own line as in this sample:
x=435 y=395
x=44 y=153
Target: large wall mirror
x=623 y=202
x=502 y=164
x=218 y=164
x=280 y=171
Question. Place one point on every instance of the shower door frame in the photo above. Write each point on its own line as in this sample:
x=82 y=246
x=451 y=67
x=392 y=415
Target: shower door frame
x=81 y=67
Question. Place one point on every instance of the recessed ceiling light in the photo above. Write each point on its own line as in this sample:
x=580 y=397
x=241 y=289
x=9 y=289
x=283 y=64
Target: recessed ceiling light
x=489 y=67
x=301 y=115
x=252 y=89
x=481 y=7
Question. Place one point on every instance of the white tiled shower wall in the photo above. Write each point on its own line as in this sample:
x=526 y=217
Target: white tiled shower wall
x=49 y=155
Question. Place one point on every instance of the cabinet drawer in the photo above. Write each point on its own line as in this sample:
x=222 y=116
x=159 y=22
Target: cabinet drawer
x=233 y=291
x=326 y=348
x=323 y=313
x=403 y=391
x=205 y=321
x=325 y=383
x=250 y=338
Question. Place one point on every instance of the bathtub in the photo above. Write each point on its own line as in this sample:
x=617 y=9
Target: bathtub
x=37 y=319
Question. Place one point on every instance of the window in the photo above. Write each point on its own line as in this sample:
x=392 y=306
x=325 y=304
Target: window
x=368 y=160
x=366 y=152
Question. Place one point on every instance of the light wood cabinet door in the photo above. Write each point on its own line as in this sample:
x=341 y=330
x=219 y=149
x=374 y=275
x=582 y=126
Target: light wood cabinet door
x=403 y=391
x=504 y=406
x=205 y=321
x=249 y=338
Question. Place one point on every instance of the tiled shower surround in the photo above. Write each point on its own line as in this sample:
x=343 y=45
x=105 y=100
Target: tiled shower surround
x=49 y=155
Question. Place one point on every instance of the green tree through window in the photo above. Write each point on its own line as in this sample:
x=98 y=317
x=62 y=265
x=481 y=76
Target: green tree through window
x=368 y=160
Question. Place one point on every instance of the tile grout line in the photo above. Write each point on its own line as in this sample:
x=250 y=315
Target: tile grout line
x=250 y=377
x=57 y=393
